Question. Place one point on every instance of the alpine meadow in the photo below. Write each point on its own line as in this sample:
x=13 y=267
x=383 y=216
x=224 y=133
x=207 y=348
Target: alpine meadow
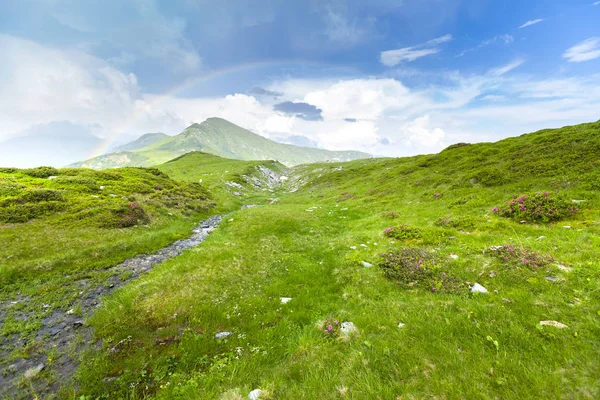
x=472 y=273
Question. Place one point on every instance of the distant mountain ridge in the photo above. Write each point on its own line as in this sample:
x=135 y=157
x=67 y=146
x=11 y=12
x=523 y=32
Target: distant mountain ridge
x=215 y=136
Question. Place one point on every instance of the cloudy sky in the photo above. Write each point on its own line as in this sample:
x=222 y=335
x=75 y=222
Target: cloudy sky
x=390 y=77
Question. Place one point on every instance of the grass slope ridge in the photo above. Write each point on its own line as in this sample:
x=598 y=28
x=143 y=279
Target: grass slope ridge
x=141 y=142
x=222 y=138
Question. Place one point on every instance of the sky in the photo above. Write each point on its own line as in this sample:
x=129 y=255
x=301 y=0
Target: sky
x=389 y=77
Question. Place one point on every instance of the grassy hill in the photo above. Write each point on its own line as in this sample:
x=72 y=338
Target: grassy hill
x=393 y=246
x=143 y=141
x=219 y=137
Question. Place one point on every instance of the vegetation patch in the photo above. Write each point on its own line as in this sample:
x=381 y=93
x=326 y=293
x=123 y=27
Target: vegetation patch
x=457 y=222
x=537 y=207
x=403 y=232
x=417 y=267
x=389 y=214
x=517 y=257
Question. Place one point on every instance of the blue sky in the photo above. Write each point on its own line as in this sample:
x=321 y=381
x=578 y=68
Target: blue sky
x=388 y=77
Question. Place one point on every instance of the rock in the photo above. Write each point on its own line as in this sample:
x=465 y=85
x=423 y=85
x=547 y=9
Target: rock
x=70 y=312
x=101 y=187
x=541 y=238
x=199 y=180
x=112 y=195
x=363 y=245
x=348 y=328
x=33 y=372
x=566 y=227
x=366 y=264
x=284 y=178
x=401 y=325
x=577 y=201
x=477 y=288
x=552 y=279
x=285 y=300
x=78 y=323
x=255 y=394
x=555 y=324
x=454 y=256
x=564 y=268
x=237 y=194
x=223 y=335
x=353 y=247
x=52 y=177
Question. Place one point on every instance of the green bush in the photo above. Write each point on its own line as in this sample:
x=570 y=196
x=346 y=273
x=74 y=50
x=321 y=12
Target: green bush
x=411 y=267
x=403 y=232
x=41 y=172
x=491 y=177
x=18 y=213
x=537 y=207
x=130 y=215
x=10 y=189
x=518 y=257
x=457 y=222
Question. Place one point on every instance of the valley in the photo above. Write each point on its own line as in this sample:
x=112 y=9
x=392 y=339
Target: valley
x=399 y=247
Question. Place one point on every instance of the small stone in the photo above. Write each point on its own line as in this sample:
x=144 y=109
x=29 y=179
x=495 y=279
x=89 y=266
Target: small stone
x=555 y=324
x=33 y=372
x=454 y=256
x=255 y=394
x=230 y=220
x=353 y=247
x=70 y=312
x=285 y=300
x=45 y=305
x=566 y=227
x=541 y=238
x=112 y=195
x=348 y=328
x=101 y=187
x=477 y=288
x=366 y=264
x=564 y=268
x=52 y=177
x=401 y=325
x=223 y=335
x=78 y=323
x=523 y=222
x=551 y=279
x=577 y=201
x=363 y=245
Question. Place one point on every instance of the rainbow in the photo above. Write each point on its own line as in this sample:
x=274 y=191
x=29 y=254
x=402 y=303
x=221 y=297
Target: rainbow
x=192 y=82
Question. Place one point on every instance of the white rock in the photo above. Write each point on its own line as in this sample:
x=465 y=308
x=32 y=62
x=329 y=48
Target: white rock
x=255 y=394
x=353 y=247
x=477 y=288
x=401 y=325
x=112 y=195
x=223 y=335
x=567 y=227
x=285 y=300
x=230 y=220
x=348 y=328
x=309 y=210
x=283 y=178
x=541 y=238
x=33 y=372
x=555 y=324
x=363 y=245
x=199 y=180
x=564 y=268
x=52 y=177
x=70 y=312
x=101 y=187
x=454 y=256
x=366 y=264
x=578 y=201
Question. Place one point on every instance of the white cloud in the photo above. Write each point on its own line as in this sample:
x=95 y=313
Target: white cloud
x=531 y=22
x=391 y=58
x=587 y=50
x=493 y=97
x=596 y=3
x=506 y=68
x=507 y=39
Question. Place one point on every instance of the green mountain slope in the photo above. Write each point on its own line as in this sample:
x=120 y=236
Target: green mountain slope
x=143 y=141
x=219 y=137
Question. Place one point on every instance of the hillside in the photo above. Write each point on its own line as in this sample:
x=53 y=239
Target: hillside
x=145 y=140
x=219 y=137
x=396 y=247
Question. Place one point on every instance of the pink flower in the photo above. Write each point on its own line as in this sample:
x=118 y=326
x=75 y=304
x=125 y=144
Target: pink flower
x=329 y=327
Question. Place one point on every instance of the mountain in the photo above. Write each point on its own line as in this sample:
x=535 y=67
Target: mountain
x=56 y=143
x=219 y=137
x=141 y=142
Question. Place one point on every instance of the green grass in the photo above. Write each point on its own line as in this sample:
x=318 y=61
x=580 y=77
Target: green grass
x=157 y=332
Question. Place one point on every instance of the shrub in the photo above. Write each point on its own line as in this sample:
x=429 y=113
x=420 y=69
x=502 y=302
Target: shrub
x=491 y=177
x=403 y=232
x=416 y=267
x=10 y=189
x=389 y=214
x=537 y=207
x=517 y=257
x=39 y=195
x=459 y=222
x=331 y=327
x=17 y=213
x=131 y=215
x=41 y=172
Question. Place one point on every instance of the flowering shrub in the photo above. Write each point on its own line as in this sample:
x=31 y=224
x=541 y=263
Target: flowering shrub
x=132 y=215
x=537 y=207
x=437 y=195
x=416 y=267
x=515 y=256
x=457 y=222
x=389 y=214
x=402 y=232
x=331 y=327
